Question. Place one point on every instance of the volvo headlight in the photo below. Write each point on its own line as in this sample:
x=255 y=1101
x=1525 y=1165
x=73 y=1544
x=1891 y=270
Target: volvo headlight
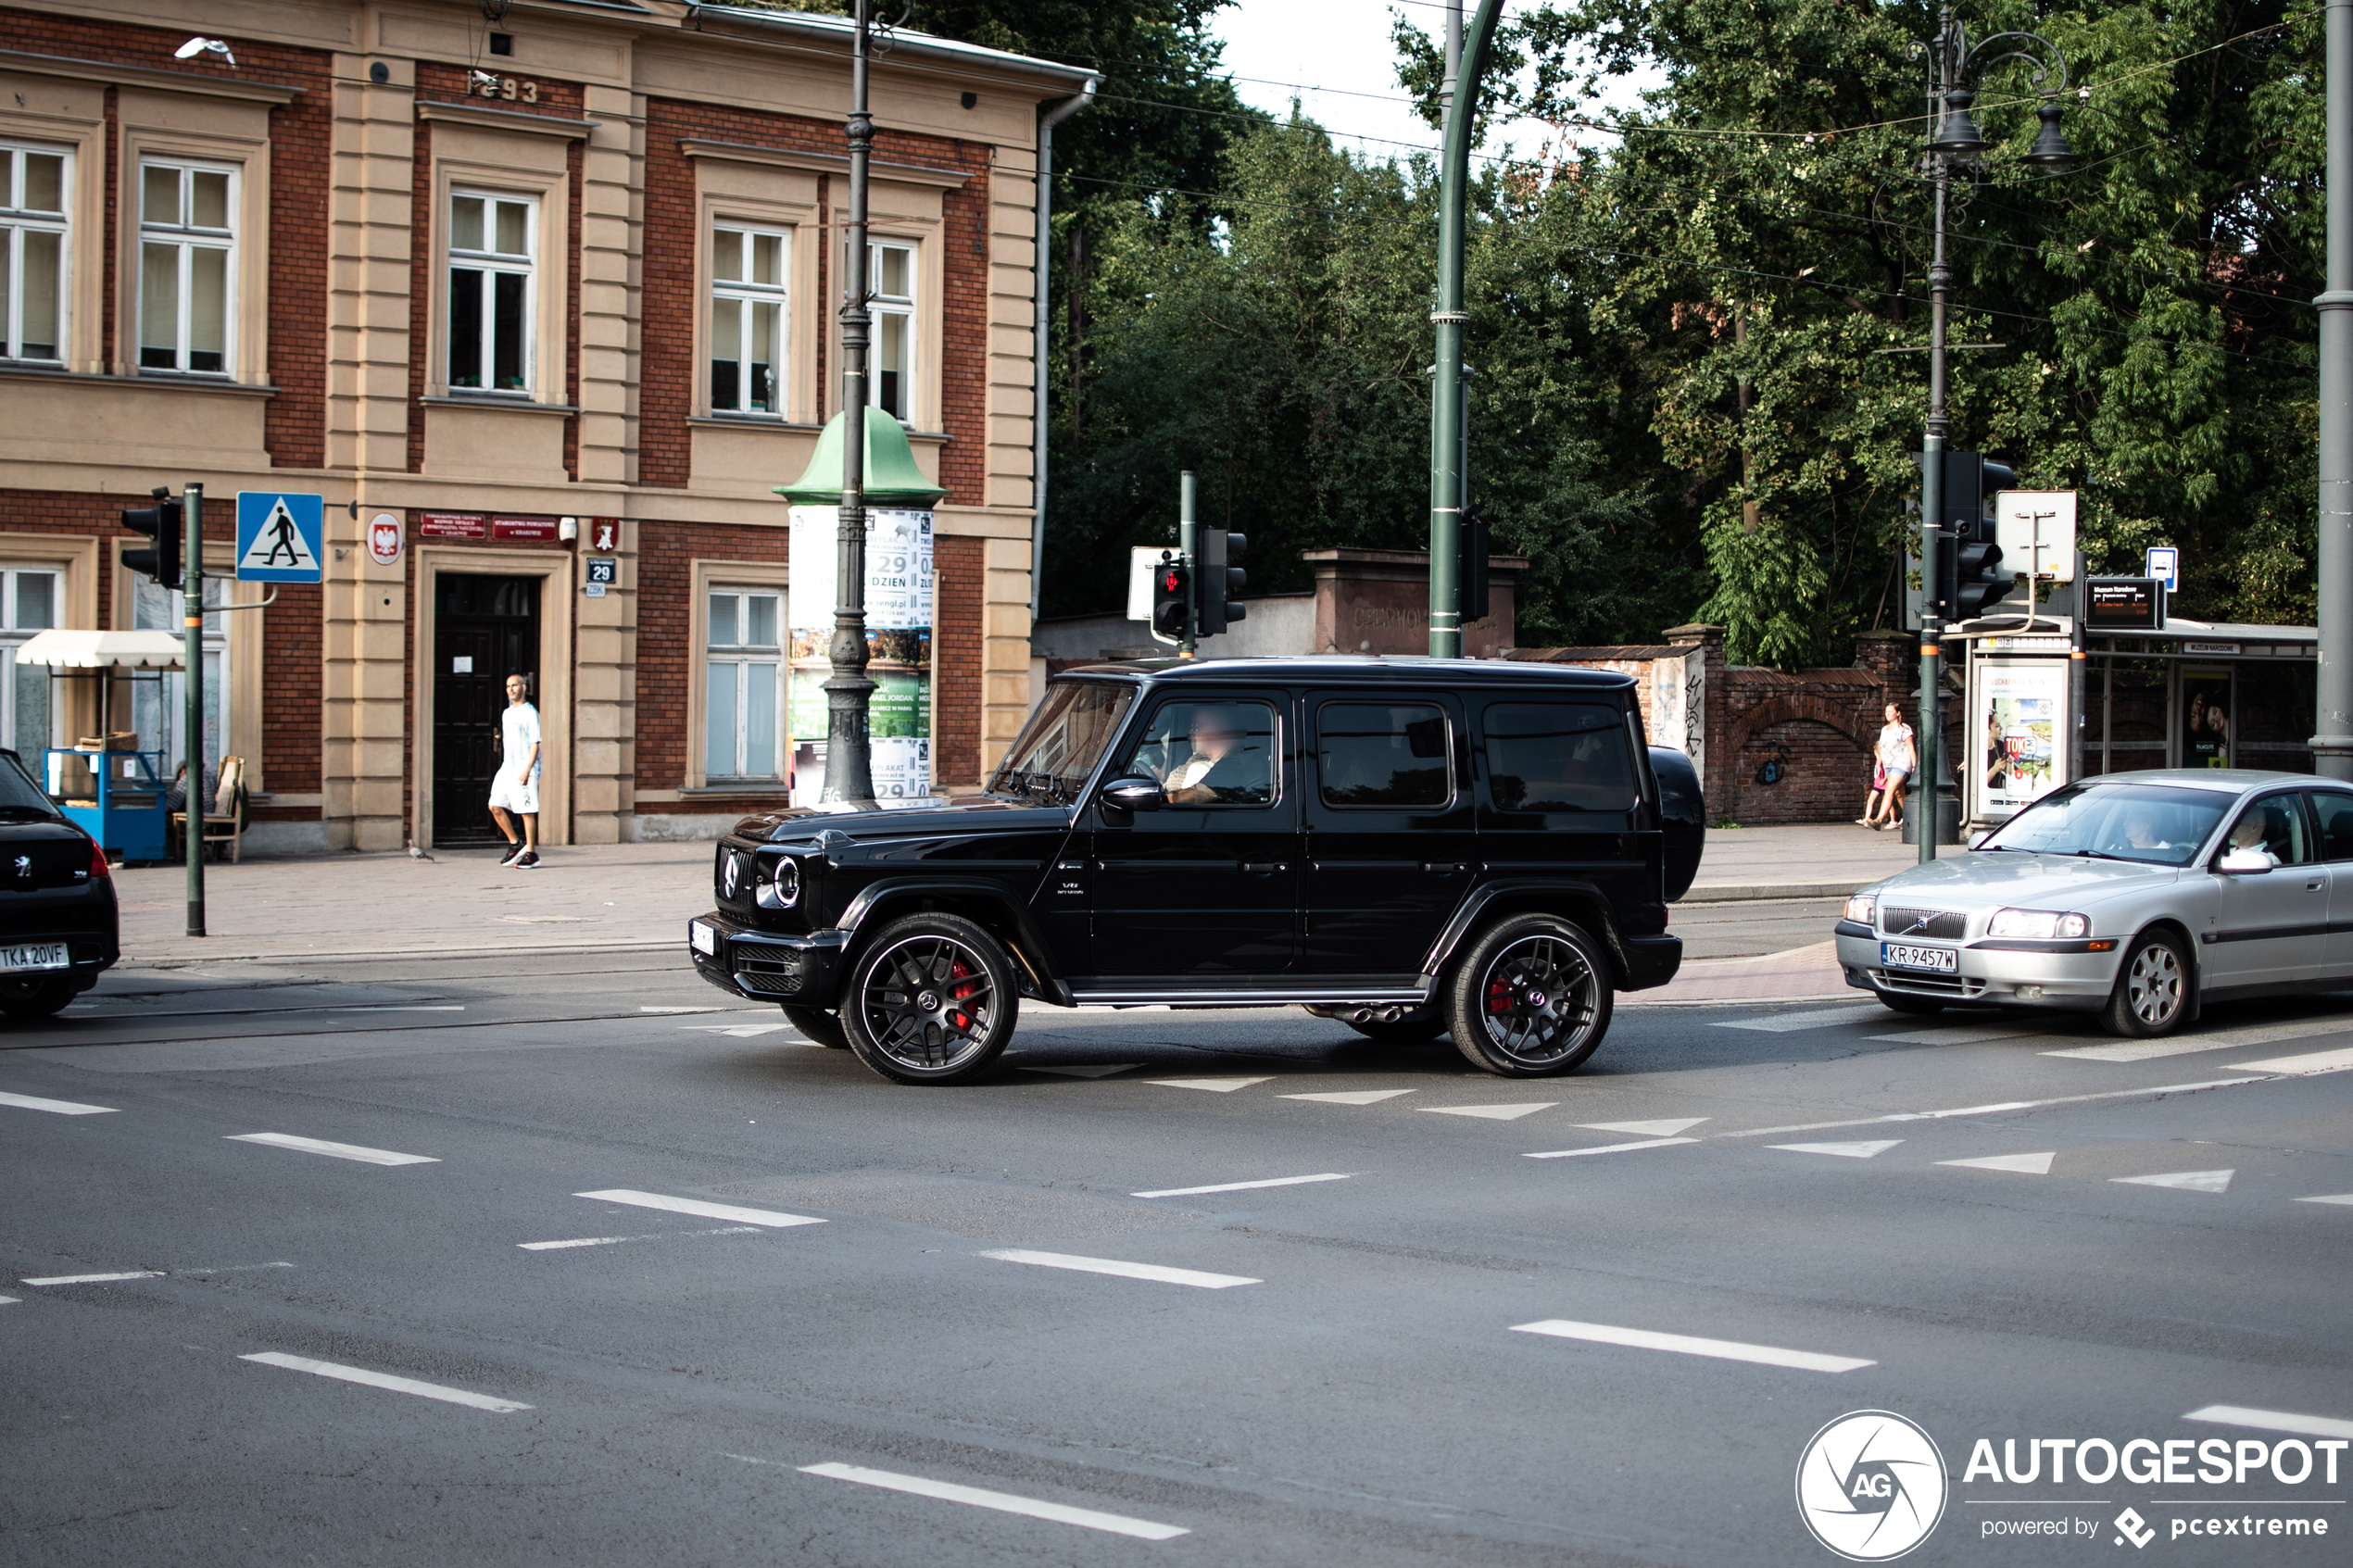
x=786 y=882
x=1862 y=906
x=2037 y=924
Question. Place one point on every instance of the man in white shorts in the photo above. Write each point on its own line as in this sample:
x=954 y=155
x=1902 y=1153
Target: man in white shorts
x=516 y=789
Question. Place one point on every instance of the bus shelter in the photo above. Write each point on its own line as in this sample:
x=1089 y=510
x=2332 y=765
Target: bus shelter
x=114 y=791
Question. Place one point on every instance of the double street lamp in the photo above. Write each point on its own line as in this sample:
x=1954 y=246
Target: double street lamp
x=1954 y=146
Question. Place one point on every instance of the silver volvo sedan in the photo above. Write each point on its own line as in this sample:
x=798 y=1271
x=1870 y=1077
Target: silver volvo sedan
x=2141 y=897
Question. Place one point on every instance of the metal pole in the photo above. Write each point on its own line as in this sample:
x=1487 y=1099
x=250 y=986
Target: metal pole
x=1189 y=547
x=849 y=764
x=2333 y=739
x=192 y=655
x=1928 y=794
x=1040 y=372
x=1446 y=435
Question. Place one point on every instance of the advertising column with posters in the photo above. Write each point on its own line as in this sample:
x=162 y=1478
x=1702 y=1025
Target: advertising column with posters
x=2018 y=724
x=898 y=644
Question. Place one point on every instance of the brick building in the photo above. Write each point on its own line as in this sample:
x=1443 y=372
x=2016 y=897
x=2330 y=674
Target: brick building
x=499 y=273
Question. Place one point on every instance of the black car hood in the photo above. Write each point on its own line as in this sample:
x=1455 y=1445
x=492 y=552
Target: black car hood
x=961 y=813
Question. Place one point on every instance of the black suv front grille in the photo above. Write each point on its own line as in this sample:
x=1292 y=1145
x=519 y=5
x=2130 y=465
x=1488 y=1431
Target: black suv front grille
x=1948 y=924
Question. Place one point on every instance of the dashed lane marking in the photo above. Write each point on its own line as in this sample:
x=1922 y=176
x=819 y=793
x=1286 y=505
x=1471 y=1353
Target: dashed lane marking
x=334 y=1150
x=2274 y=1421
x=9 y=1301
x=2301 y=1066
x=1492 y=1112
x=2221 y=1039
x=1666 y=1129
x=56 y=1107
x=1246 y=1187
x=1354 y=1097
x=704 y=1009
x=1861 y=1149
x=1966 y=1035
x=94 y=1279
x=1688 y=1344
x=2344 y=1197
x=2184 y=1181
x=1994 y=1110
x=1153 y=1271
x=1100 y=1070
x=737 y=1031
x=1610 y=1149
x=384 y=1380
x=1812 y=1017
x=2017 y=1164
x=1214 y=1086
x=696 y=1207
x=617 y=1240
x=1001 y=1502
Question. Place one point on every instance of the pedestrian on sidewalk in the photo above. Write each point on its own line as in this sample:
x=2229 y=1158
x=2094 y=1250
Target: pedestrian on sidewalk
x=1897 y=760
x=516 y=788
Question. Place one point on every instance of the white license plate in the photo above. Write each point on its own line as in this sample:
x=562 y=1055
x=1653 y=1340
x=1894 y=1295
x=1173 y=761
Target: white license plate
x=1902 y=955
x=38 y=955
x=704 y=937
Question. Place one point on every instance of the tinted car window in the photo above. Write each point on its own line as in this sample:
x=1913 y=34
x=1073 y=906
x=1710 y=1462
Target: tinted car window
x=2274 y=825
x=18 y=795
x=2336 y=812
x=1558 y=757
x=1209 y=753
x=1382 y=753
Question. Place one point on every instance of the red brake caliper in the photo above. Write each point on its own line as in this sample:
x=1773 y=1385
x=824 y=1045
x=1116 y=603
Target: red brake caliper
x=959 y=971
x=1499 y=996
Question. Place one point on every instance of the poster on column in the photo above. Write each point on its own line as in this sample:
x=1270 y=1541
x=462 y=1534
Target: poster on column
x=898 y=650
x=2015 y=728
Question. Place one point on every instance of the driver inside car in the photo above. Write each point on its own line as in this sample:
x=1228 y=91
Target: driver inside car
x=1224 y=768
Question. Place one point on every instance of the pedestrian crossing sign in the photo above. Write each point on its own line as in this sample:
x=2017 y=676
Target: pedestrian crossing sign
x=280 y=534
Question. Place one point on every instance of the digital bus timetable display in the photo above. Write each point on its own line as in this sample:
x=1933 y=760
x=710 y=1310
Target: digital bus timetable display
x=2124 y=604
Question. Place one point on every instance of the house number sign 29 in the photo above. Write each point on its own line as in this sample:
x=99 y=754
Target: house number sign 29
x=505 y=87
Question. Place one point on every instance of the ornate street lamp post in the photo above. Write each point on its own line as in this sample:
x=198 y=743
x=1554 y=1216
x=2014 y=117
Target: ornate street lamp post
x=849 y=765
x=1954 y=146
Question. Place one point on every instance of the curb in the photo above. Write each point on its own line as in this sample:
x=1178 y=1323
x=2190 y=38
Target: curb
x=377 y=955
x=1735 y=893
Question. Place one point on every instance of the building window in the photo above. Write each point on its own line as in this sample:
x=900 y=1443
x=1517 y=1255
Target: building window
x=746 y=684
x=159 y=708
x=31 y=599
x=187 y=244
x=890 y=383
x=34 y=182
x=492 y=242
x=748 y=320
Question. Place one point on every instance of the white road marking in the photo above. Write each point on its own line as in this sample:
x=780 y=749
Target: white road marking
x=1153 y=1271
x=2344 y=1197
x=642 y=1009
x=94 y=1279
x=1246 y=1187
x=617 y=1240
x=2222 y=1039
x=384 y=1006
x=1354 y=1097
x=1967 y=1035
x=1790 y=1023
x=1610 y=1149
x=56 y=1107
x=1214 y=1086
x=1092 y=1071
x=384 y=1380
x=1862 y=1150
x=2187 y=1181
x=2021 y=1164
x=737 y=1031
x=8 y=1301
x=335 y=1151
x=2274 y=1421
x=696 y=1207
x=1993 y=1109
x=1686 y=1345
x=2299 y=1066
x=1492 y=1112
x=1666 y=1129
x=1003 y=1502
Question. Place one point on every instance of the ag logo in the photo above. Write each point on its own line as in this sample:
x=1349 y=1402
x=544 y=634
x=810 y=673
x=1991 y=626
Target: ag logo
x=1871 y=1485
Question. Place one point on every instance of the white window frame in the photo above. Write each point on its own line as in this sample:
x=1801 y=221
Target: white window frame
x=13 y=637
x=906 y=306
x=743 y=656
x=492 y=264
x=187 y=238
x=16 y=221
x=745 y=294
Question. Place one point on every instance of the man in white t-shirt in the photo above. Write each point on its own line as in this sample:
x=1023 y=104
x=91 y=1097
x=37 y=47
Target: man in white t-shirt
x=516 y=789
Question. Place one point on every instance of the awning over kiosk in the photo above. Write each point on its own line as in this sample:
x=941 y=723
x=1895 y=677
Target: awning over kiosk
x=103 y=650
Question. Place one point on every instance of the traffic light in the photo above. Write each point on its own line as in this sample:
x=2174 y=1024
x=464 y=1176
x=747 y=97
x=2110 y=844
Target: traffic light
x=161 y=523
x=1219 y=582
x=1171 y=580
x=1471 y=575
x=1973 y=578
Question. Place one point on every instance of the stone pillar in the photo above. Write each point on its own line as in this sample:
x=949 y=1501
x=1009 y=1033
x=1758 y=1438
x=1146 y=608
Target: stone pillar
x=604 y=687
x=1715 y=716
x=612 y=258
x=1890 y=658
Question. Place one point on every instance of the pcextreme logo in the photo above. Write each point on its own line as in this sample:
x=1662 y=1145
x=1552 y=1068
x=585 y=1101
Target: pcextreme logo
x=1871 y=1486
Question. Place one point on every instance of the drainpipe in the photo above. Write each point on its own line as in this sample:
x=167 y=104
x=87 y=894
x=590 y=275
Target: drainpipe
x=1046 y=123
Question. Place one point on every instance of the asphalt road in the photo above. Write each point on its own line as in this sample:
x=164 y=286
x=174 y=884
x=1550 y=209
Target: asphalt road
x=1445 y=1347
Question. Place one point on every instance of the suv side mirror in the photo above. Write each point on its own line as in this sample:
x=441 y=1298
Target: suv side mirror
x=1134 y=792
x=2243 y=862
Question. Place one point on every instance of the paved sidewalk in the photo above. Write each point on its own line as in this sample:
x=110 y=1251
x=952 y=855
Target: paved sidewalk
x=1798 y=862
x=582 y=897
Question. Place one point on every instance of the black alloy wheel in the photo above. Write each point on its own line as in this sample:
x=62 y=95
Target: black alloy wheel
x=37 y=998
x=2152 y=994
x=931 y=1000
x=1532 y=998
x=817 y=1026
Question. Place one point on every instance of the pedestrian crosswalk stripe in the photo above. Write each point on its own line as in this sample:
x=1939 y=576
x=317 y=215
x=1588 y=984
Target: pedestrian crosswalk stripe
x=1861 y=1149
x=384 y=1380
x=2021 y=1164
x=1000 y=1503
x=1663 y=1129
x=1492 y=1112
x=1214 y=1086
x=1689 y=1344
x=1354 y=1097
x=2187 y=1181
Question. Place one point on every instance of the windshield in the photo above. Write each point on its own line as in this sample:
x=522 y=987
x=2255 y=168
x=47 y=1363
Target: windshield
x=1064 y=740
x=2116 y=822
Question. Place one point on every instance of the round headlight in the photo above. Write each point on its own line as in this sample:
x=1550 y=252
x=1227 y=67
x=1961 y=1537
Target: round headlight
x=787 y=882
